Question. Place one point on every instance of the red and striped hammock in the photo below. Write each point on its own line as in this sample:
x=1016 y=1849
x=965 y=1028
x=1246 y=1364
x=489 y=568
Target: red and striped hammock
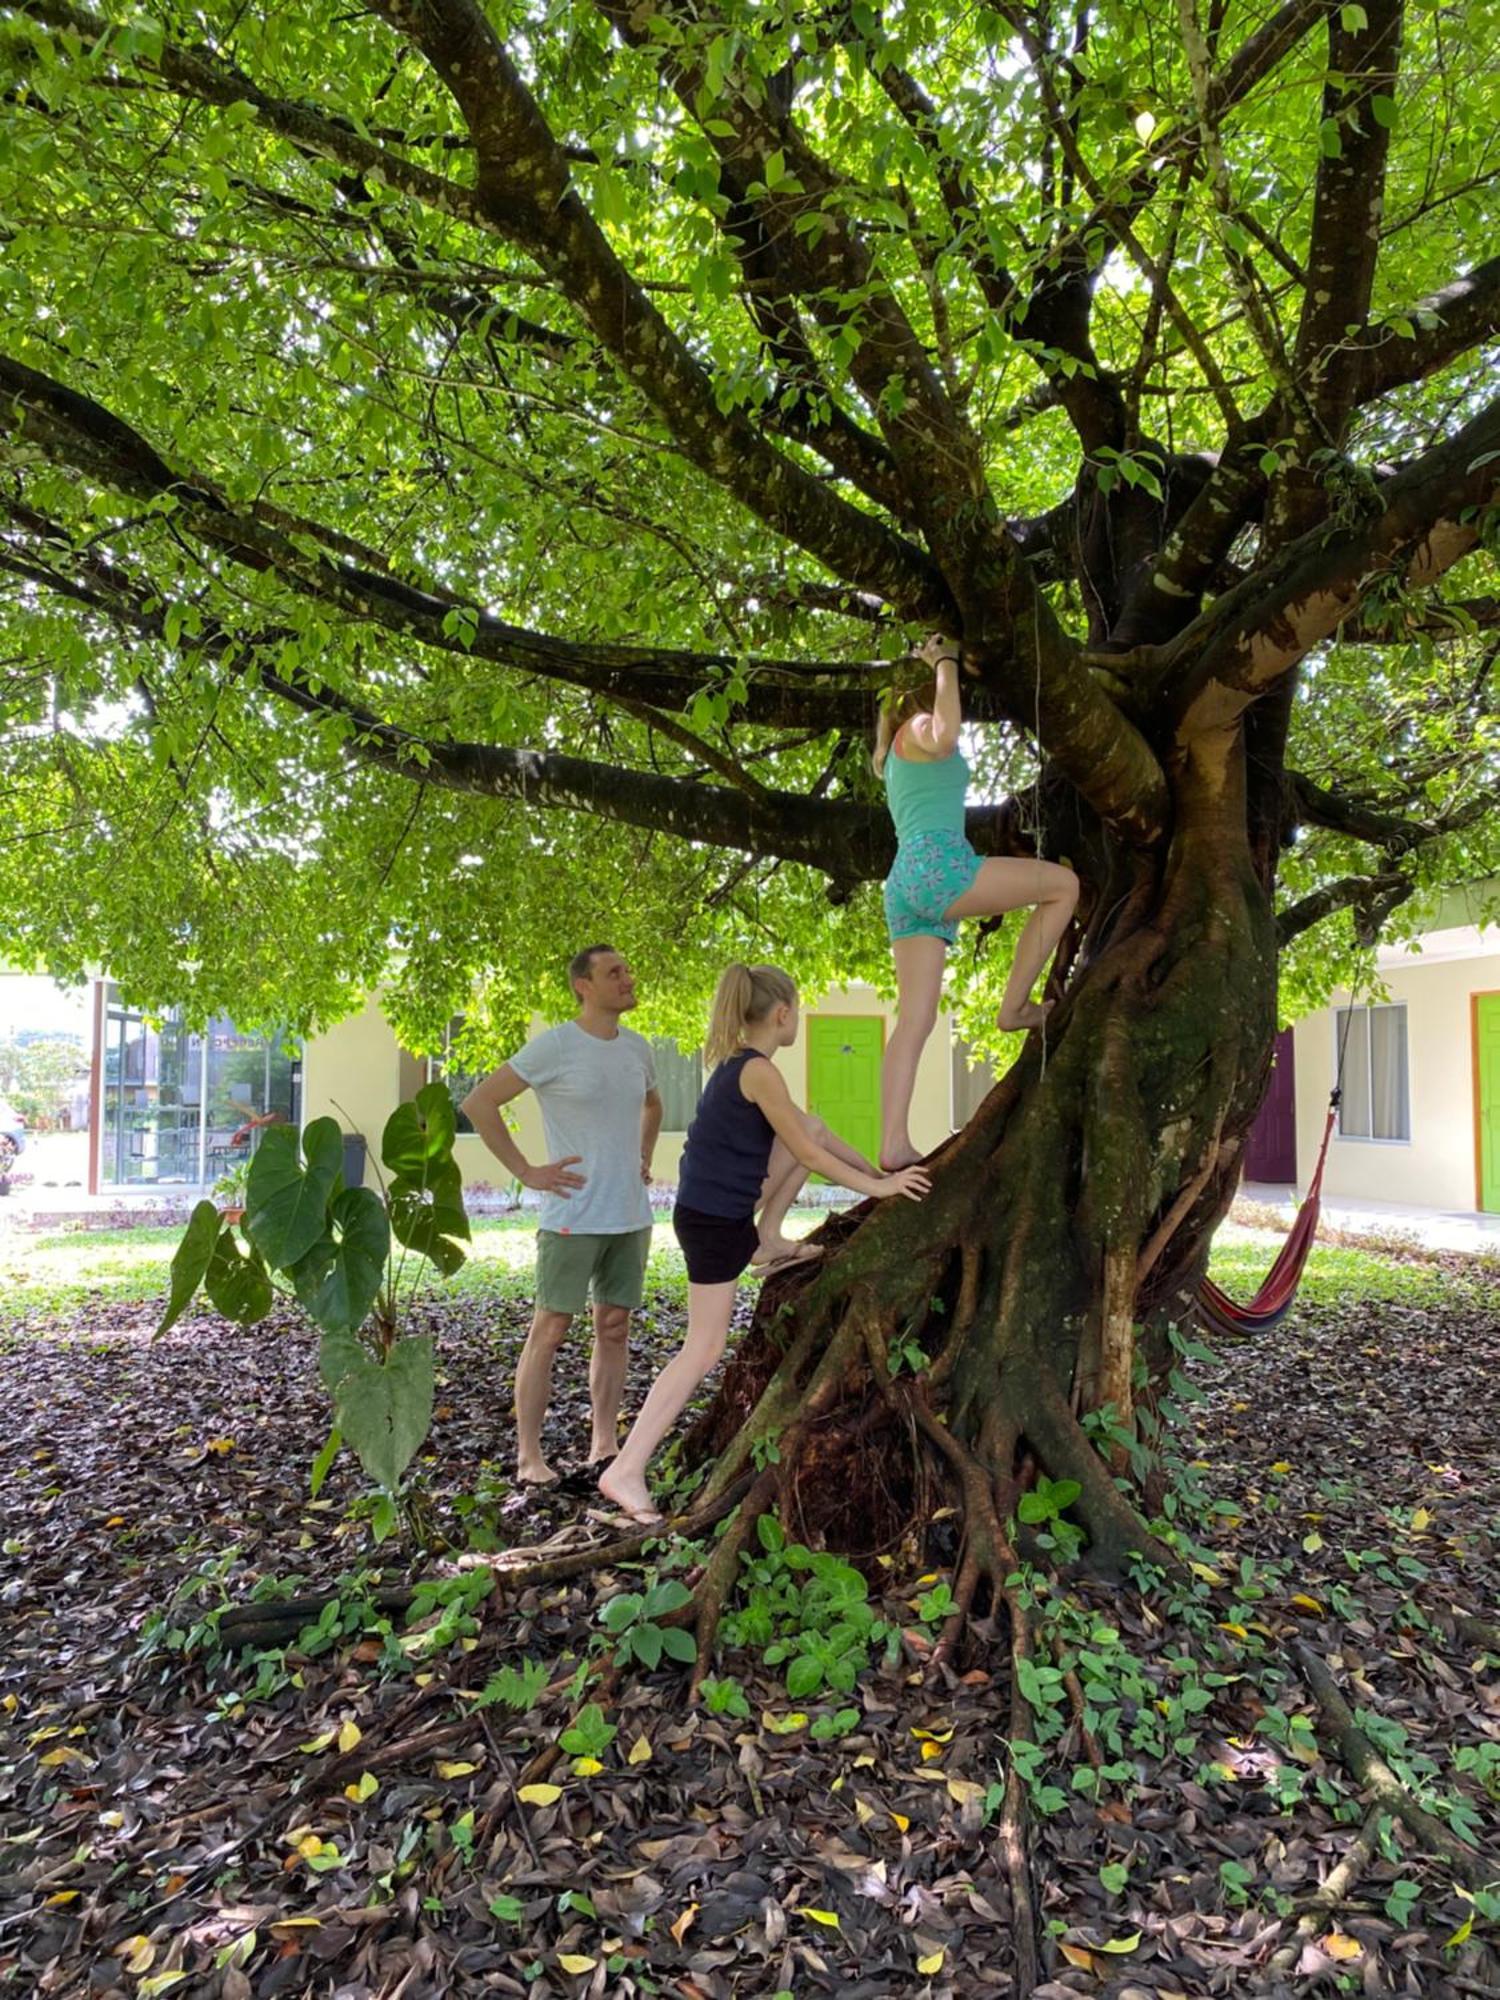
x=1273 y=1301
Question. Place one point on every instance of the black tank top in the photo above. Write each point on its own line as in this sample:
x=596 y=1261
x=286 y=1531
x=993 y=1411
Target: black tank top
x=728 y=1145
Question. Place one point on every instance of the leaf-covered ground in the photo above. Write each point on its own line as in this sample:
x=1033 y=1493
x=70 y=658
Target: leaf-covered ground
x=354 y=1818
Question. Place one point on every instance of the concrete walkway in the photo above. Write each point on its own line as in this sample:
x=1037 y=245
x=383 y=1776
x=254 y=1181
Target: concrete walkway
x=1433 y=1228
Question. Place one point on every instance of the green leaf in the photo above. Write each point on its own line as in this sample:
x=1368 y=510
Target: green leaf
x=238 y=1281
x=384 y=1408
x=286 y=1201
x=338 y=1279
x=1383 y=110
x=338 y=1352
x=419 y=1135
x=1331 y=139
x=190 y=1263
x=322 y=1464
x=646 y=1644
x=679 y=1645
x=804 y=1676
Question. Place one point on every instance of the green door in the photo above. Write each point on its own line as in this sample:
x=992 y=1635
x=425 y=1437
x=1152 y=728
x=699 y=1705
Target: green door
x=1487 y=1087
x=843 y=1076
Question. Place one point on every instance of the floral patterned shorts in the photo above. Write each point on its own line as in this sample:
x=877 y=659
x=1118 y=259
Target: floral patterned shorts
x=931 y=870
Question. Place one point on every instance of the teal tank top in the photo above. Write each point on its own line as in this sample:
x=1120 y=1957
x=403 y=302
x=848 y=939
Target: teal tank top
x=926 y=797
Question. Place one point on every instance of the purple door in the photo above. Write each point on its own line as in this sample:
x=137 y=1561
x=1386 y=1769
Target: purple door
x=1271 y=1149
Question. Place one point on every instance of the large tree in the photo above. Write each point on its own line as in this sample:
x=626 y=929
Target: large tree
x=464 y=469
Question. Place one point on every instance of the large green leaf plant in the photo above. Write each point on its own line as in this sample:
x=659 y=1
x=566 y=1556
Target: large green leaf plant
x=352 y=1258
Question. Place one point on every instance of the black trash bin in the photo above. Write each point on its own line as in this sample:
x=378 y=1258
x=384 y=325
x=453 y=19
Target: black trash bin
x=354 y=1159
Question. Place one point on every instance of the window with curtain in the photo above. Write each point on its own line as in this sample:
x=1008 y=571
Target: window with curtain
x=679 y=1079
x=1376 y=1101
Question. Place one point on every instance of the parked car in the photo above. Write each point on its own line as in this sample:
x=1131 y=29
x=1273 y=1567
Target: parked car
x=12 y=1141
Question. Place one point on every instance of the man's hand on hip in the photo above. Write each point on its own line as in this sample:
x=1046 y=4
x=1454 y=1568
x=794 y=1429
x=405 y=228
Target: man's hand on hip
x=556 y=1177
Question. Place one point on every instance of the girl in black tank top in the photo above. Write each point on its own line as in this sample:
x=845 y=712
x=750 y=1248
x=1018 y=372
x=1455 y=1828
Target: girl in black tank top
x=748 y=1148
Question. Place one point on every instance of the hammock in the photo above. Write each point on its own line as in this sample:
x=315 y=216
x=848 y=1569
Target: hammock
x=1273 y=1301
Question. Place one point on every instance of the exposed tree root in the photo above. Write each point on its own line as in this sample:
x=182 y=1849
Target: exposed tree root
x=1335 y=1890
x=1011 y=1830
x=1372 y=1771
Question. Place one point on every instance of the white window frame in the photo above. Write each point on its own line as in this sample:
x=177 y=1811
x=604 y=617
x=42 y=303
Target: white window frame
x=1369 y=1007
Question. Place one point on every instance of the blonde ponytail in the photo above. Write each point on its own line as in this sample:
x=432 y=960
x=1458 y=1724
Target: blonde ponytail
x=898 y=705
x=745 y=993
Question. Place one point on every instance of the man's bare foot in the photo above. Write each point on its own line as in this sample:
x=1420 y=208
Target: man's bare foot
x=1030 y=1014
x=535 y=1472
x=777 y=1251
x=898 y=1157
x=628 y=1493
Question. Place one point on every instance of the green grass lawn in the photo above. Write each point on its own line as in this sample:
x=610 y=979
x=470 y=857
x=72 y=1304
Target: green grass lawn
x=42 y=1277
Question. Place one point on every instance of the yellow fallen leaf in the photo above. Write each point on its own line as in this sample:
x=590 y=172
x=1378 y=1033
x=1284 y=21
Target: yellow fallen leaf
x=539 y=1795
x=682 y=1925
x=1461 y=1935
x=349 y=1735
x=1305 y=1603
x=586 y=1767
x=1228 y=1625
x=930 y=1751
x=310 y=1843
x=900 y=1822
x=64 y=1754
x=864 y=1761
x=1421 y=1521
x=220 y=1445
x=933 y=1735
x=640 y=1752
x=139 y=1954
x=1282 y=1467
x=459 y=1768
x=60 y=1899
x=1312 y=1543
x=1338 y=1944
x=1205 y=1573
x=572 y=1961
x=297 y=1924
x=318 y=1743
x=1122 y=1945
x=115 y=1521
x=159 y=1982
x=863 y=1813
x=366 y=1788
x=783 y=1725
x=829 y=1917
x=964 y=1791
x=932 y=1963
x=1076 y=1955
x=112 y=1819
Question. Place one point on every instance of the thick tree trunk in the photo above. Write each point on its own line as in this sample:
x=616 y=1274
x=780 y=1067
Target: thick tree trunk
x=1067 y=1226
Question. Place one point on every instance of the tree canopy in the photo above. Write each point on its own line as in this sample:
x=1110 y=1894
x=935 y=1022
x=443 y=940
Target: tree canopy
x=467 y=472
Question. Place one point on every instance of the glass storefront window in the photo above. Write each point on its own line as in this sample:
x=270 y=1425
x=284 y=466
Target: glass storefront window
x=182 y=1107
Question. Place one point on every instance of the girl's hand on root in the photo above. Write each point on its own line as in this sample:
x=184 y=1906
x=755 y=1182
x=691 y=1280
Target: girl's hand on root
x=913 y=1182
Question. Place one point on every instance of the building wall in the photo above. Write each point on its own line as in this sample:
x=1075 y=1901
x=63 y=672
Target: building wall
x=356 y=1073
x=1436 y=1167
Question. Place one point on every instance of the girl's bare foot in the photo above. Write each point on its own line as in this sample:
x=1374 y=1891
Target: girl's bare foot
x=628 y=1492
x=1029 y=1014
x=776 y=1251
x=535 y=1472
x=898 y=1157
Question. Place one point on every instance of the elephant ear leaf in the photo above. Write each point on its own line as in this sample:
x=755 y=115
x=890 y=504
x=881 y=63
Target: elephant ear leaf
x=238 y=1282
x=418 y=1136
x=429 y=1217
x=338 y=1278
x=286 y=1201
x=384 y=1409
x=190 y=1263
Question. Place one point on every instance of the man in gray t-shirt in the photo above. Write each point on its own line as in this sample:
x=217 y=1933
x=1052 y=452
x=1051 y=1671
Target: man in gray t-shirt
x=595 y=1084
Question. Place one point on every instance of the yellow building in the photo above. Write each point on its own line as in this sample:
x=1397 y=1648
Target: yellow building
x=1419 y=1123
x=358 y=1074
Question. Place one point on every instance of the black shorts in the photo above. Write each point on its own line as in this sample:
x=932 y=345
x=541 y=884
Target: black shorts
x=717 y=1247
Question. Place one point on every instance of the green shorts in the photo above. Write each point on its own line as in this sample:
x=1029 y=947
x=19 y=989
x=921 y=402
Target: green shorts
x=569 y=1267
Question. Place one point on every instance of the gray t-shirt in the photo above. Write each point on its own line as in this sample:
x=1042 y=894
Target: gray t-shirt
x=591 y=1093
